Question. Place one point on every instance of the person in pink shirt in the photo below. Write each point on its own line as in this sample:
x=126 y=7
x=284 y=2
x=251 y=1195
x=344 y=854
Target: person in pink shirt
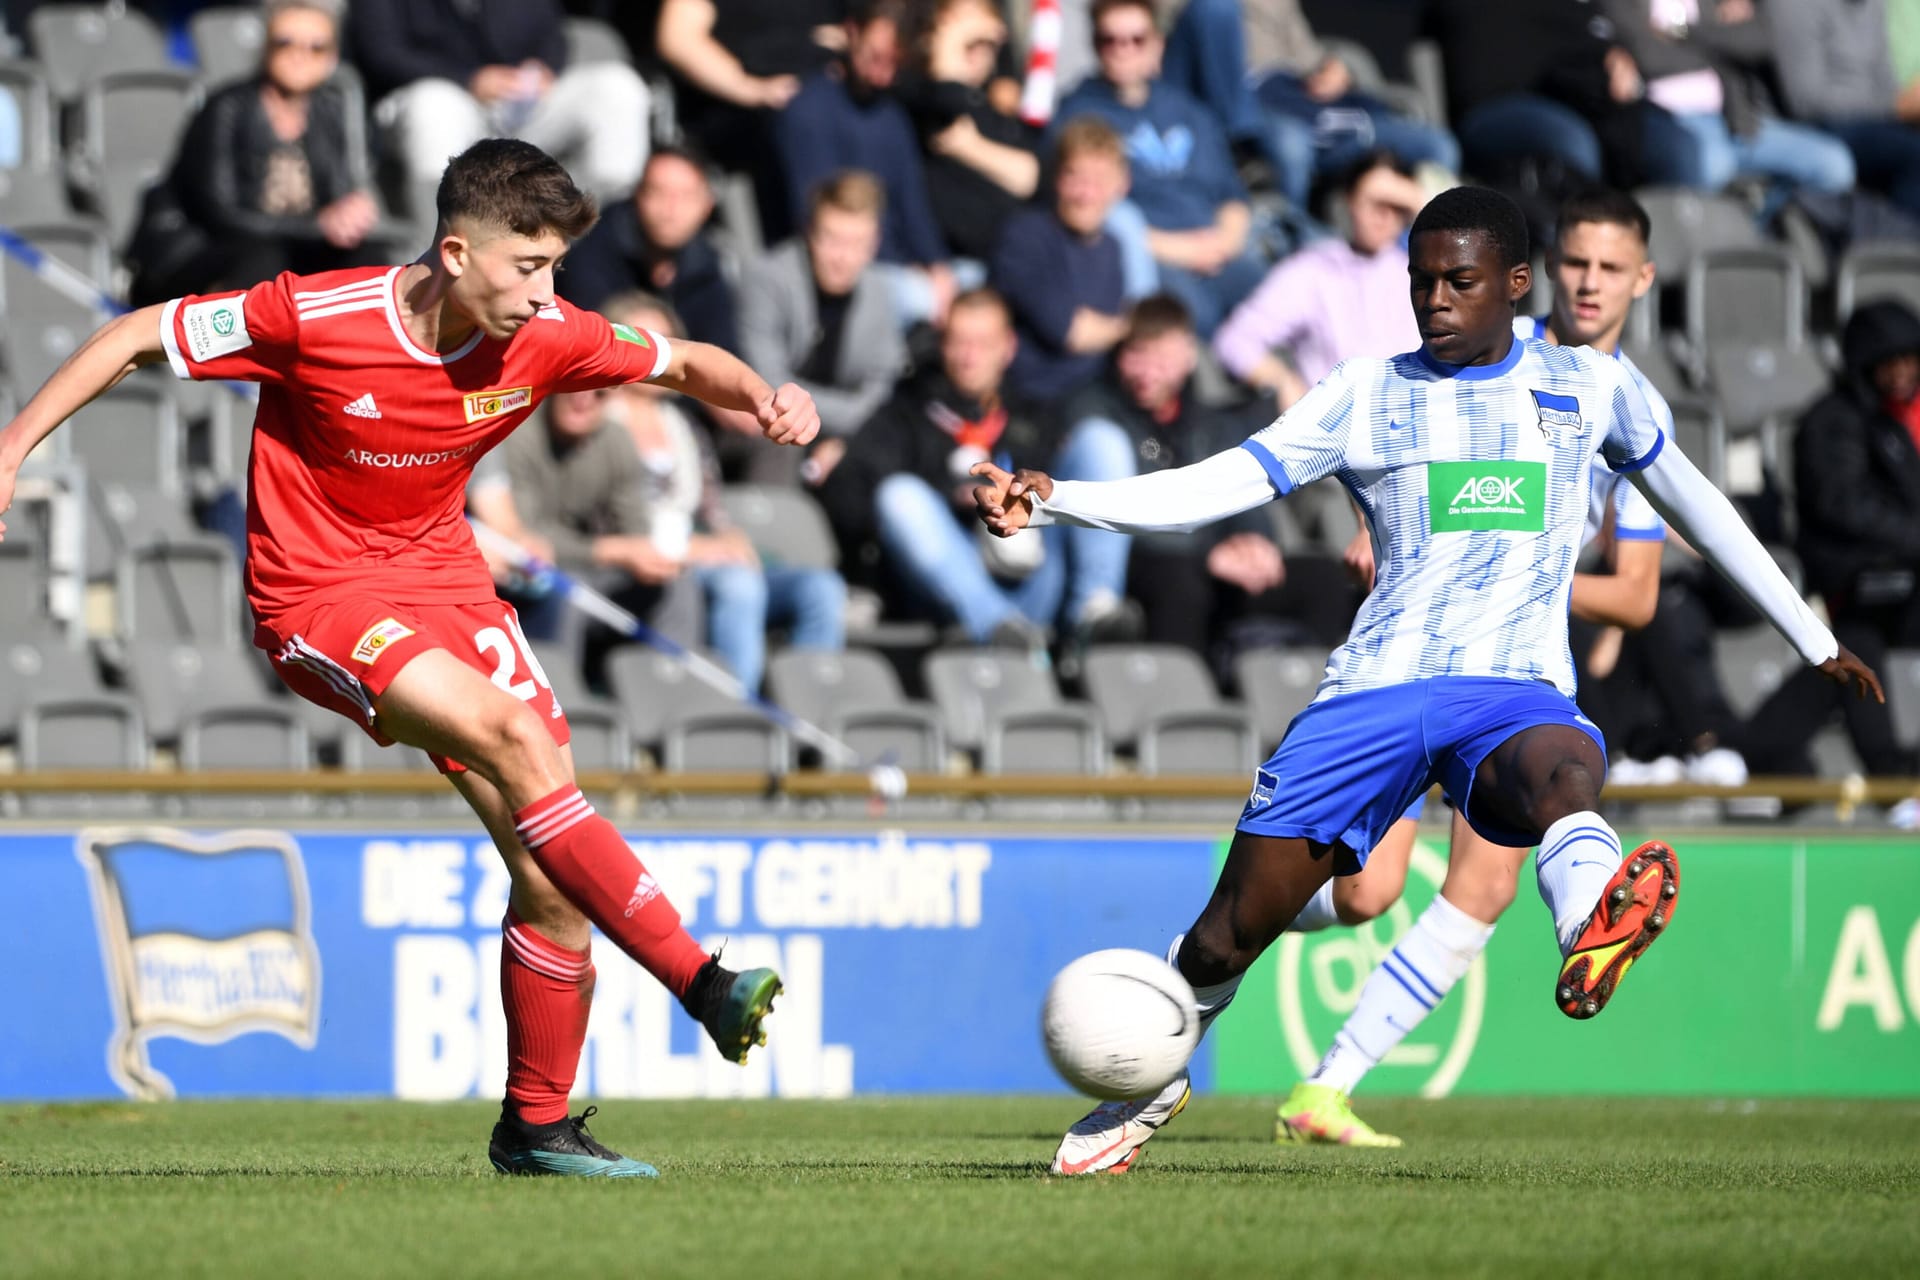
x=1335 y=298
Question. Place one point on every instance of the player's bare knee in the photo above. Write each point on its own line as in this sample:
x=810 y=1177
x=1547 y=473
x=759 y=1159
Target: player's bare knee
x=516 y=750
x=1355 y=901
x=1570 y=787
x=1209 y=955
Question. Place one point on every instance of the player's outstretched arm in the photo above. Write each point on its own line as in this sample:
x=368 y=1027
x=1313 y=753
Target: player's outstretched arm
x=706 y=372
x=1163 y=502
x=1704 y=517
x=115 y=350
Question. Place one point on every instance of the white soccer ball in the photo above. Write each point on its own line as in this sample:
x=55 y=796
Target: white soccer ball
x=1120 y=1024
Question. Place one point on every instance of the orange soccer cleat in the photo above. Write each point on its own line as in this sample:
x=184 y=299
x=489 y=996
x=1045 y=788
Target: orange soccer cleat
x=1634 y=908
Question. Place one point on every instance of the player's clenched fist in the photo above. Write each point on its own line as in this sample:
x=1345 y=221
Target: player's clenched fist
x=788 y=416
x=1000 y=499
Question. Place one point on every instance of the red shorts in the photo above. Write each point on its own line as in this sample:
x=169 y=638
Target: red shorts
x=343 y=653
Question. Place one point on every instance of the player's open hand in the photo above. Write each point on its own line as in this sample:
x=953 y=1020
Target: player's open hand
x=788 y=416
x=1002 y=500
x=1848 y=670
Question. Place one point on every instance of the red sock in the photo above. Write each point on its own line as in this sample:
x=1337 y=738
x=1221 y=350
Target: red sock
x=547 y=991
x=582 y=854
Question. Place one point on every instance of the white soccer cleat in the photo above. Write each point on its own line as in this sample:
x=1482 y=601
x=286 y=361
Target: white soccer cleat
x=1108 y=1137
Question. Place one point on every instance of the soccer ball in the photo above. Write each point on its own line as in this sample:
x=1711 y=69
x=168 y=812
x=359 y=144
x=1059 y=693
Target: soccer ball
x=1120 y=1024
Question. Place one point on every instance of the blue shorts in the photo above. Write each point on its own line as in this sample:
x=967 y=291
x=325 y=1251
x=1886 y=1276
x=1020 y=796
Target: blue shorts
x=1352 y=765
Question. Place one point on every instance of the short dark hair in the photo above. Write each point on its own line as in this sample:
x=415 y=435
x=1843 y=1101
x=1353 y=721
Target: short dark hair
x=864 y=13
x=1480 y=209
x=1378 y=158
x=684 y=152
x=1155 y=316
x=1101 y=8
x=1604 y=205
x=985 y=297
x=504 y=182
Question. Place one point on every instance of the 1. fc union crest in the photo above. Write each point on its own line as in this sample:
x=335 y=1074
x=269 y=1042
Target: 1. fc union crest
x=203 y=939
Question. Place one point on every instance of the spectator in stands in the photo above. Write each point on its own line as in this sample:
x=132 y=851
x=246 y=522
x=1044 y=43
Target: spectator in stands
x=738 y=64
x=569 y=485
x=1184 y=183
x=1837 y=72
x=657 y=242
x=1711 y=123
x=1059 y=268
x=1538 y=81
x=1857 y=463
x=1272 y=84
x=446 y=73
x=846 y=117
x=1195 y=587
x=266 y=178
x=905 y=482
x=813 y=311
x=688 y=522
x=981 y=162
x=1335 y=298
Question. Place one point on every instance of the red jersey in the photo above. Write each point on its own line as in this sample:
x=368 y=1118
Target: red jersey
x=363 y=442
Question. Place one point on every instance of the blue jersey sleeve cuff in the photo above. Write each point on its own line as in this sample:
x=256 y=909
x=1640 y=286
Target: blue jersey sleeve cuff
x=1645 y=460
x=1276 y=474
x=1640 y=535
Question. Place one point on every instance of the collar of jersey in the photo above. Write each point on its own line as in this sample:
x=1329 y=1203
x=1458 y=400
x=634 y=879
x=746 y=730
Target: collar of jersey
x=1473 y=372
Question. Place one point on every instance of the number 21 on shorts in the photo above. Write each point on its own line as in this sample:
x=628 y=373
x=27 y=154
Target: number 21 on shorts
x=507 y=648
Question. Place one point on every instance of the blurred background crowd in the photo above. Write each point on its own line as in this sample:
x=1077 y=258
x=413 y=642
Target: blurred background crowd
x=1096 y=238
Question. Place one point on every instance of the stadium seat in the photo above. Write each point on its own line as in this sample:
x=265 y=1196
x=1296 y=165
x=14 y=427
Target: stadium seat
x=23 y=585
x=1146 y=691
x=26 y=83
x=254 y=736
x=969 y=685
x=180 y=593
x=1743 y=297
x=1061 y=739
x=172 y=680
x=910 y=737
x=600 y=738
x=130 y=126
x=658 y=693
x=1429 y=73
x=92 y=731
x=129 y=437
x=1761 y=382
x=786 y=525
x=1220 y=740
x=855 y=695
x=43 y=325
x=1653 y=359
x=590 y=40
x=1687 y=223
x=1901 y=678
x=79 y=42
x=122 y=517
x=41 y=665
x=1277 y=685
x=1871 y=272
x=227 y=41
x=1702 y=435
x=1752 y=662
x=726 y=741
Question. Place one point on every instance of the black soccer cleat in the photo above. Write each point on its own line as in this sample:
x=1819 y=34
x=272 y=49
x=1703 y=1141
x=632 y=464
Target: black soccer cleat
x=732 y=1006
x=563 y=1148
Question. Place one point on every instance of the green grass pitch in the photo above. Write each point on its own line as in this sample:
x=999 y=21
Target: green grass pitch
x=880 y=1187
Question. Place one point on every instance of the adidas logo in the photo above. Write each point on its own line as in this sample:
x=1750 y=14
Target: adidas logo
x=364 y=407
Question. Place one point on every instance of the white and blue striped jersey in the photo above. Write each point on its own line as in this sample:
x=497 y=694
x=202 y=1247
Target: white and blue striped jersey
x=1634 y=518
x=1476 y=483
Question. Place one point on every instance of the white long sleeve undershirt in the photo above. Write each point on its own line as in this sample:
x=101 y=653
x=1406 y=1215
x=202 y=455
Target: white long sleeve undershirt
x=1234 y=481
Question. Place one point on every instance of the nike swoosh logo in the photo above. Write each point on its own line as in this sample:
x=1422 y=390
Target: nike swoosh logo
x=1395 y=426
x=1591 y=863
x=1070 y=1168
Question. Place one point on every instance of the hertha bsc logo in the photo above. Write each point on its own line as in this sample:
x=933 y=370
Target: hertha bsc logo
x=204 y=940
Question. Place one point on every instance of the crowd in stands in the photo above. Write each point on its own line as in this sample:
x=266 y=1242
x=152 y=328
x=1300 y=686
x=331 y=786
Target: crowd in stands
x=1105 y=243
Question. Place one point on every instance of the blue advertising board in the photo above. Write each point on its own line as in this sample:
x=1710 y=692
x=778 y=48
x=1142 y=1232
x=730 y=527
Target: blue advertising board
x=157 y=962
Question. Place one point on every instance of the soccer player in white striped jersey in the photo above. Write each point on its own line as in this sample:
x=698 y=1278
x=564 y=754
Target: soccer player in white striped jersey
x=1471 y=458
x=1600 y=266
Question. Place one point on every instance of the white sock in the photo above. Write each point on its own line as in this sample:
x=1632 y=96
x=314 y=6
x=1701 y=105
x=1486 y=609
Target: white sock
x=1578 y=855
x=1318 y=914
x=1211 y=1000
x=1414 y=977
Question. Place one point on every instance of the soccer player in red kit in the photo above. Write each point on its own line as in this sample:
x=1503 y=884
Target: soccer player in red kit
x=379 y=389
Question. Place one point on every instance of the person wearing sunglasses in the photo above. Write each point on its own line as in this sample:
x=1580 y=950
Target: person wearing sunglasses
x=267 y=177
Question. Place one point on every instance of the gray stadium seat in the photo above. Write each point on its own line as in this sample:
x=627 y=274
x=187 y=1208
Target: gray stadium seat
x=26 y=83
x=1277 y=685
x=123 y=517
x=1217 y=741
x=43 y=326
x=1752 y=663
x=911 y=736
x=227 y=41
x=1702 y=436
x=41 y=665
x=1133 y=685
x=726 y=741
x=129 y=437
x=180 y=593
x=360 y=754
x=855 y=695
x=1743 y=297
x=23 y=585
x=244 y=737
x=172 y=681
x=130 y=126
x=590 y=40
x=1759 y=382
x=1062 y=739
x=98 y=731
x=786 y=525
x=1871 y=272
x=971 y=686
x=1687 y=223
x=658 y=695
x=79 y=42
x=1902 y=680
x=600 y=738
